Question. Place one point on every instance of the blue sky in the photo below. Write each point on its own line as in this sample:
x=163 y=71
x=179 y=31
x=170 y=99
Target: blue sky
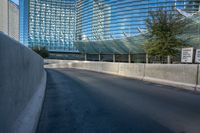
x=16 y=1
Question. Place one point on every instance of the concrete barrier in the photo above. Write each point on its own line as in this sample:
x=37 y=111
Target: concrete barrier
x=198 y=79
x=57 y=63
x=77 y=65
x=22 y=87
x=93 y=66
x=132 y=70
x=108 y=67
x=179 y=75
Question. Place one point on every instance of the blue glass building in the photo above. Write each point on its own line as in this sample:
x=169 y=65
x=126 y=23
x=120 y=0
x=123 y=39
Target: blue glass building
x=49 y=23
x=57 y=24
x=24 y=21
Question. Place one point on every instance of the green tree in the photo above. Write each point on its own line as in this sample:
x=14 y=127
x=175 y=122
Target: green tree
x=42 y=51
x=164 y=29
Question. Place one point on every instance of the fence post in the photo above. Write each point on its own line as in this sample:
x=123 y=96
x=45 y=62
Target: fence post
x=99 y=56
x=113 y=57
x=129 y=57
x=85 y=56
x=168 y=59
x=147 y=58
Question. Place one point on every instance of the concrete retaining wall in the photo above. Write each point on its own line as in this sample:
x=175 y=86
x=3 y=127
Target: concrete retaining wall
x=22 y=87
x=179 y=75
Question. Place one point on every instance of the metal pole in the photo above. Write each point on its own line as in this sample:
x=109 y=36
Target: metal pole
x=85 y=56
x=99 y=56
x=168 y=60
x=147 y=58
x=113 y=57
x=129 y=57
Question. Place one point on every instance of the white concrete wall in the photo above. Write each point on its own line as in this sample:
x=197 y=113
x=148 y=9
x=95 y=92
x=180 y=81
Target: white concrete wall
x=182 y=75
x=132 y=70
x=22 y=87
x=13 y=21
x=4 y=16
x=179 y=75
x=198 y=79
x=108 y=67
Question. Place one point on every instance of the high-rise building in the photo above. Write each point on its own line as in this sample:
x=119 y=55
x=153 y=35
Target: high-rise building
x=24 y=21
x=57 y=24
x=4 y=16
x=50 y=24
x=13 y=24
x=100 y=20
x=9 y=18
x=192 y=5
x=93 y=20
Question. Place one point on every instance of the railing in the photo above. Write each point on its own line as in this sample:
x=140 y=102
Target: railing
x=127 y=58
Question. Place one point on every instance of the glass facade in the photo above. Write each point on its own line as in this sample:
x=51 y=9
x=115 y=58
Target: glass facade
x=52 y=24
x=121 y=18
x=58 y=24
x=24 y=21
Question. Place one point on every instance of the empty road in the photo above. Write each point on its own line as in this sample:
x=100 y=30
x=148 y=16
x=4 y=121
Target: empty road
x=79 y=101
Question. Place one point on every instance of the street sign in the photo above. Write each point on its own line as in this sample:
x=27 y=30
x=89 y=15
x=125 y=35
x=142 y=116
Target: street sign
x=197 y=56
x=187 y=55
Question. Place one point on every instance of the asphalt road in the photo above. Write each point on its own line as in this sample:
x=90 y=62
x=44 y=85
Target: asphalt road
x=80 y=101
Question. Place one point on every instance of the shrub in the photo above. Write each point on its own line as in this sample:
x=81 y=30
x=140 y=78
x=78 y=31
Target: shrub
x=42 y=51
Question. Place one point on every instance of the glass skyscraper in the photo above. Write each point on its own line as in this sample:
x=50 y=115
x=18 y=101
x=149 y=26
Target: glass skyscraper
x=57 y=24
x=51 y=23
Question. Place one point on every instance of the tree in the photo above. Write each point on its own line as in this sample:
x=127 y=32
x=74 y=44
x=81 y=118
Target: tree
x=164 y=28
x=42 y=51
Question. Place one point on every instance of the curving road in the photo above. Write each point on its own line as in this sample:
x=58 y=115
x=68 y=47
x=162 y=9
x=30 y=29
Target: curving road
x=80 y=101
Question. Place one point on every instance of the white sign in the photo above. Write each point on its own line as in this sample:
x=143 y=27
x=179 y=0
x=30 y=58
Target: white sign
x=197 y=56
x=187 y=55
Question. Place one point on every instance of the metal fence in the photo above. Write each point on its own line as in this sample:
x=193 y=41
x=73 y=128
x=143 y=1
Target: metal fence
x=128 y=58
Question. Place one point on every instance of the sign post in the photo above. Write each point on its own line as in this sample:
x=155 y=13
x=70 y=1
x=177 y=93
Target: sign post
x=187 y=55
